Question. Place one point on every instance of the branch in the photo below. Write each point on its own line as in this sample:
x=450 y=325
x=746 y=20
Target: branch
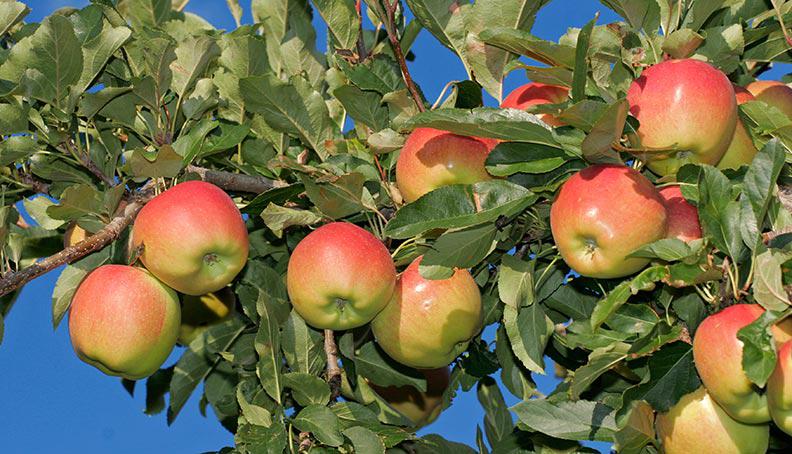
x=361 y=42
x=333 y=371
x=397 y=51
x=89 y=164
x=235 y=181
x=38 y=186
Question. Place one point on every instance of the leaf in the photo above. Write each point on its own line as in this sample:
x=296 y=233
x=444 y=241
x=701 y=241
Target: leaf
x=515 y=282
x=364 y=440
x=307 y=389
x=618 y=296
x=508 y=158
x=768 y=285
x=759 y=352
x=268 y=346
x=668 y=249
x=435 y=444
x=459 y=206
x=302 y=346
x=254 y=414
x=96 y=53
x=523 y=43
x=236 y=11
x=372 y=363
x=682 y=43
x=580 y=74
x=321 y=422
x=363 y=106
x=148 y=13
x=259 y=439
x=379 y=73
x=528 y=331
x=157 y=386
x=498 y=422
x=672 y=374
x=280 y=218
x=37 y=209
x=461 y=248
x=599 y=362
x=70 y=279
x=578 y=420
x=506 y=124
x=339 y=197
x=11 y=13
x=640 y=14
x=445 y=19
x=341 y=19
x=76 y=202
x=293 y=108
x=718 y=212
x=758 y=185
x=606 y=131
x=165 y=163
x=193 y=56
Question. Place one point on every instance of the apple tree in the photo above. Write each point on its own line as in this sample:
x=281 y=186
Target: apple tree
x=625 y=216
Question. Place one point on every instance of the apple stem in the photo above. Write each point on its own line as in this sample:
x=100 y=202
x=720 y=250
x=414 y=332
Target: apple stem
x=333 y=371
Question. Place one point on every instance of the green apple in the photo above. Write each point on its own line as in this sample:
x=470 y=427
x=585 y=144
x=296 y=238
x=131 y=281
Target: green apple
x=533 y=94
x=340 y=276
x=192 y=237
x=422 y=408
x=428 y=323
x=200 y=312
x=124 y=321
x=696 y=424
x=601 y=215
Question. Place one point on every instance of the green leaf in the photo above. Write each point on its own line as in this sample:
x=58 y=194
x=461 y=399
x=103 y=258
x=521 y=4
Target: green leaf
x=379 y=73
x=68 y=281
x=523 y=43
x=340 y=197
x=758 y=185
x=96 y=53
x=76 y=202
x=236 y=11
x=640 y=14
x=302 y=346
x=254 y=414
x=723 y=47
x=307 y=389
x=498 y=422
x=508 y=158
x=148 y=13
x=11 y=13
x=259 y=439
x=364 y=440
x=37 y=209
x=459 y=206
x=682 y=43
x=516 y=282
x=193 y=56
x=580 y=74
x=672 y=374
x=668 y=249
x=363 y=106
x=341 y=19
x=157 y=386
x=597 y=146
x=528 y=330
x=578 y=420
x=445 y=19
x=607 y=306
x=280 y=218
x=461 y=248
x=371 y=362
x=719 y=213
x=599 y=362
x=268 y=346
x=164 y=163
x=768 y=284
x=321 y=422
x=506 y=124
x=759 y=352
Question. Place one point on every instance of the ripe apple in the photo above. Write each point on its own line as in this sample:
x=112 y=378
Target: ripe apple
x=683 y=221
x=741 y=150
x=193 y=237
x=685 y=105
x=601 y=215
x=74 y=234
x=697 y=424
x=200 y=312
x=123 y=321
x=533 y=94
x=422 y=408
x=773 y=93
x=432 y=158
x=340 y=276
x=779 y=389
x=428 y=323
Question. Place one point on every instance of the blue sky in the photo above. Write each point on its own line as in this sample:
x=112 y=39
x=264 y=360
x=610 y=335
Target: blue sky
x=55 y=403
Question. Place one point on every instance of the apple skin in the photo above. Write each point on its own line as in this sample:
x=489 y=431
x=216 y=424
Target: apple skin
x=73 y=235
x=683 y=221
x=193 y=237
x=199 y=312
x=124 y=321
x=428 y=323
x=534 y=93
x=696 y=424
x=773 y=93
x=422 y=408
x=595 y=235
x=340 y=276
x=686 y=104
x=779 y=389
x=741 y=150
x=432 y=158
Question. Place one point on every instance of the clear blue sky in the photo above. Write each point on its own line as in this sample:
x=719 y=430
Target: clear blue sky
x=55 y=403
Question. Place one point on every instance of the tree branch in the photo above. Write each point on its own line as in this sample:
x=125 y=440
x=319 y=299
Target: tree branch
x=235 y=181
x=333 y=371
x=361 y=42
x=88 y=163
x=37 y=185
x=397 y=51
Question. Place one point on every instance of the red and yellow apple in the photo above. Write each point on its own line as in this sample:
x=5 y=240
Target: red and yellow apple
x=601 y=215
x=124 y=321
x=428 y=323
x=683 y=221
x=773 y=93
x=432 y=158
x=534 y=93
x=422 y=408
x=340 y=276
x=779 y=389
x=741 y=150
x=696 y=424
x=200 y=312
x=687 y=113
x=193 y=238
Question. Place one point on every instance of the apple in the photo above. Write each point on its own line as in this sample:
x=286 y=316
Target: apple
x=124 y=321
x=686 y=106
x=431 y=158
x=74 y=234
x=773 y=93
x=683 y=221
x=428 y=323
x=601 y=215
x=741 y=150
x=697 y=424
x=779 y=389
x=718 y=356
x=535 y=93
x=193 y=238
x=340 y=276
x=422 y=408
x=199 y=312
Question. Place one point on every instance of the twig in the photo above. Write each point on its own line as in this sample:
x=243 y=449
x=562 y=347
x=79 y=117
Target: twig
x=397 y=51
x=38 y=186
x=781 y=22
x=361 y=42
x=235 y=181
x=86 y=161
x=333 y=371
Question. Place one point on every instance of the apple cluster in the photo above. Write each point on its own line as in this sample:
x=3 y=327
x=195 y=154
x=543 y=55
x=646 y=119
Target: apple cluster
x=125 y=320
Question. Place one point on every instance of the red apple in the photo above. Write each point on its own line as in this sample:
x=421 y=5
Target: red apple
x=422 y=408
x=340 y=276
x=683 y=222
x=124 y=321
x=601 y=215
x=741 y=150
x=432 y=158
x=533 y=94
x=696 y=424
x=686 y=105
x=428 y=323
x=773 y=93
x=779 y=389
x=193 y=238
x=200 y=312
